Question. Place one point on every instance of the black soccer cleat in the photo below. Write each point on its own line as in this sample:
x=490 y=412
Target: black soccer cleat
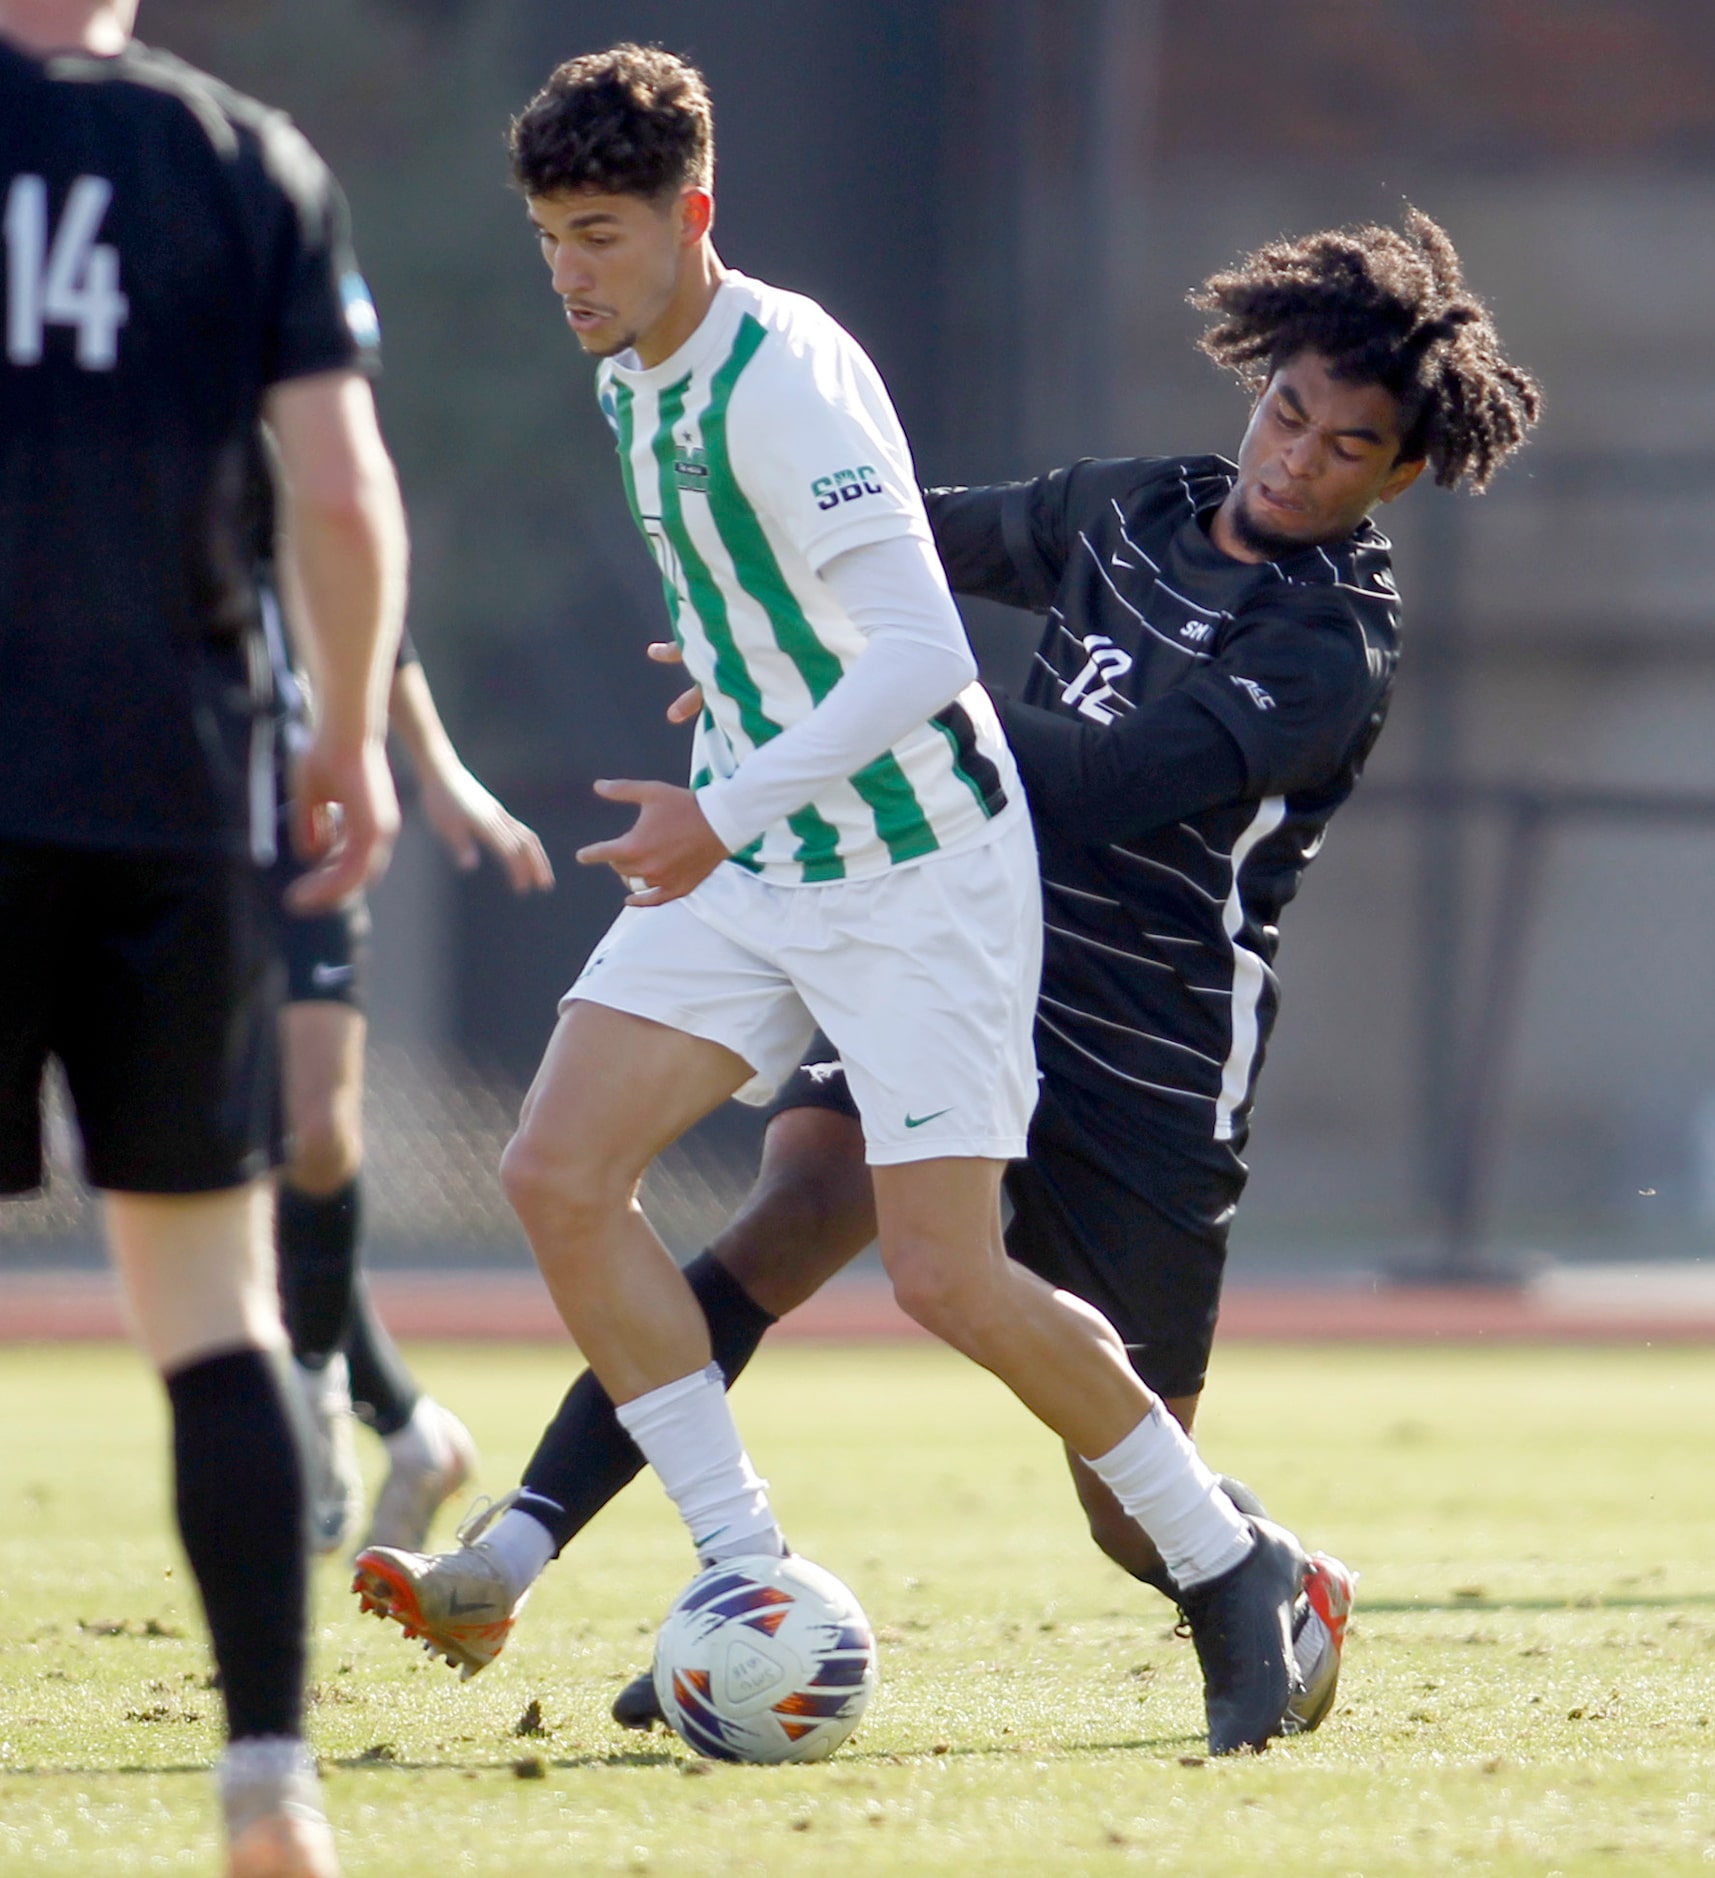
x=637 y=1705
x=1241 y=1625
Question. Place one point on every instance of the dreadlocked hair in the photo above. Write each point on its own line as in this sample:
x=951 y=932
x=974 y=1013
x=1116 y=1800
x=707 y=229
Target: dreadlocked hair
x=1385 y=308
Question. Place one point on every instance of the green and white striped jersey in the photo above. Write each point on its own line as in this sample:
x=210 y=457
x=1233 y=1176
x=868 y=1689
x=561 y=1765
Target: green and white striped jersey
x=764 y=447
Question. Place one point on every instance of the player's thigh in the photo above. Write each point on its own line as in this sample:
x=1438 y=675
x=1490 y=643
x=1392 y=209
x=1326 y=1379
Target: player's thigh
x=704 y=968
x=1134 y=1227
x=925 y=980
x=197 y=1270
x=35 y=976
x=612 y=1091
x=939 y=1221
x=170 y=1050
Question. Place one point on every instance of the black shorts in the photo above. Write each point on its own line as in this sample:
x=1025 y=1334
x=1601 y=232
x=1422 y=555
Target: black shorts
x=326 y=954
x=152 y=978
x=1125 y=1218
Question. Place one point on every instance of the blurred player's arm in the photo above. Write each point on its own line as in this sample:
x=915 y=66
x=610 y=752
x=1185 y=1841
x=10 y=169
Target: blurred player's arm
x=343 y=549
x=466 y=816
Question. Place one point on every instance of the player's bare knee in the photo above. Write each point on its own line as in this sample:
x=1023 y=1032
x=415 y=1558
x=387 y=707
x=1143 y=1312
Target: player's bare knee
x=198 y=1271
x=560 y=1191
x=324 y=1150
x=798 y=1225
x=941 y=1299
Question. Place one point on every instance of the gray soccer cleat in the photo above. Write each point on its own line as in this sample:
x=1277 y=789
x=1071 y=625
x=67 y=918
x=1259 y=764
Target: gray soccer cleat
x=428 y=1460
x=461 y=1604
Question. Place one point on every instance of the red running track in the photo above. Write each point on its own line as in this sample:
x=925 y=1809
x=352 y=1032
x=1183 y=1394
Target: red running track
x=1605 y=1305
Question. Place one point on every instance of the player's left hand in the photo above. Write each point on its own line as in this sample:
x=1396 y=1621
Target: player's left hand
x=666 y=852
x=468 y=819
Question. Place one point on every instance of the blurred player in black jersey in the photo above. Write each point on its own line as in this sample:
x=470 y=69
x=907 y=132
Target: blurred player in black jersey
x=176 y=269
x=1216 y=666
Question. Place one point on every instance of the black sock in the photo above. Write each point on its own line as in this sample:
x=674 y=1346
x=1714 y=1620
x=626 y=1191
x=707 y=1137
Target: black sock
x=383 y=1390
x=585 y=1457
x=239 y=1488
x=317 y=1241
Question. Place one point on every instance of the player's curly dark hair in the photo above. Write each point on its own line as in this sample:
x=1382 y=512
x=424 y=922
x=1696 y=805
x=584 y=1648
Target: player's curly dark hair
x=631 y=121
x=1385 y=308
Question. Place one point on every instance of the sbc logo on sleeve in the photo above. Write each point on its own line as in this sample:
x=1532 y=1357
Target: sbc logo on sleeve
x=846 y=485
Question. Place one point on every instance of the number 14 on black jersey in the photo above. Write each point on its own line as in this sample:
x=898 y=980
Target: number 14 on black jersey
x=62 y=276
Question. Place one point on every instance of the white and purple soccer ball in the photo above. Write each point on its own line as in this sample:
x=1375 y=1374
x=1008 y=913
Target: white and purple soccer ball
x=765 y=1659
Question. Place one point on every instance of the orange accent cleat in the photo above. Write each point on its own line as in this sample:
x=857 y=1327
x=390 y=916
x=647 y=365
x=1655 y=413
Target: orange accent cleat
x=459 y=1605
x=1318 y=1637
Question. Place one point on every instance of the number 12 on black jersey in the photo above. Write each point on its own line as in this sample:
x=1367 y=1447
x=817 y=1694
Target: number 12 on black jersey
x=72 y=280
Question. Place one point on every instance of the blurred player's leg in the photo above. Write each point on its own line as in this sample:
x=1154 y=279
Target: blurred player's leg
x=345 y=1357
x=198 y=1274
x=430 y=1453
x=319 y=1220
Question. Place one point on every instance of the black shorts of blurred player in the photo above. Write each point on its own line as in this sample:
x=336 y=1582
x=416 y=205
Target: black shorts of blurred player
x=1127 y=1222
x=151 y=977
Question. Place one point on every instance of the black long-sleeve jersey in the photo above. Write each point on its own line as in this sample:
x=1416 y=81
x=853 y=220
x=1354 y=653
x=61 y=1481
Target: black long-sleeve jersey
x=171 y=249
x=1189 y=725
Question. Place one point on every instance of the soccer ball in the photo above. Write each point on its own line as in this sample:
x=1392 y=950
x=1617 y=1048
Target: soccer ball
x=764 y=1659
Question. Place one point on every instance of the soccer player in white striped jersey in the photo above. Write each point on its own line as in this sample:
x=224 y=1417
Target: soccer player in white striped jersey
x=853 y=851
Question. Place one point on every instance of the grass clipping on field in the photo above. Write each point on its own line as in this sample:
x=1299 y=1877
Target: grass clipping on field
x=1529 y=1687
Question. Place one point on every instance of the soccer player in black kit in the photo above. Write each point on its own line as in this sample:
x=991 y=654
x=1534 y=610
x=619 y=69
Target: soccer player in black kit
x=1216 y=665
x=176 y=270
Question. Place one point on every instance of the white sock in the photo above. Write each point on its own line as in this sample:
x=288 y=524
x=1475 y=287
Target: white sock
x=1160 y=1479
x=688 y=1435
x=521 y=1545
x=265 y=1774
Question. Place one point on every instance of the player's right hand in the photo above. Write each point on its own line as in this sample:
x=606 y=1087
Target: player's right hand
x=345 y=817
x=685 y=707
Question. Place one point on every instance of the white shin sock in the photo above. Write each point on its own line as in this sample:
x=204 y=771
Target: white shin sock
x=522 y=1545
x=688 y=1435
x=1158 y=1476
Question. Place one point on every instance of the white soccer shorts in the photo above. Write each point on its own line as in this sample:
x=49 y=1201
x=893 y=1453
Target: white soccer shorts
x=924 y=979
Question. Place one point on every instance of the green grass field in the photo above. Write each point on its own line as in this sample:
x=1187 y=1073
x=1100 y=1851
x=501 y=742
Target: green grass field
x=1530 y=1683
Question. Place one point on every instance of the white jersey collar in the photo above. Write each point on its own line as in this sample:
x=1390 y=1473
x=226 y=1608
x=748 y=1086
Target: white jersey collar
x=711 y=341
